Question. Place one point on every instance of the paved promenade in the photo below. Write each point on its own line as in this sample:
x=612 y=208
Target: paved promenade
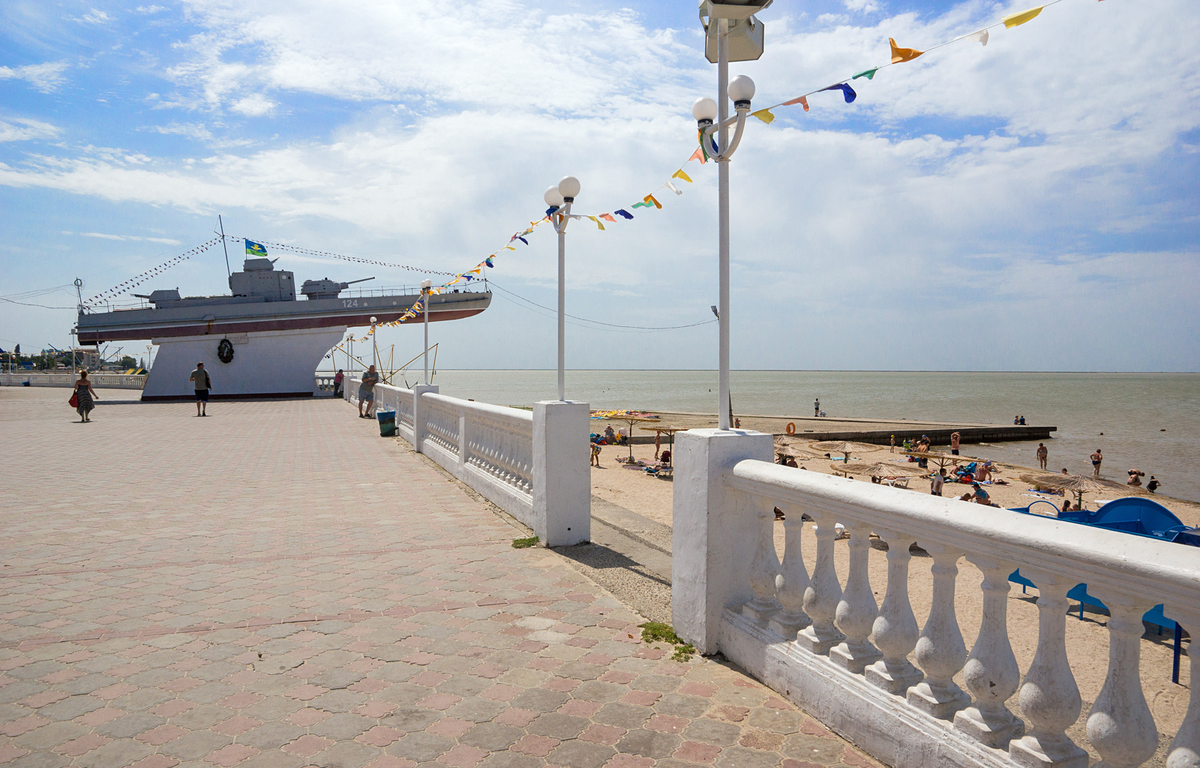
x=276 y=585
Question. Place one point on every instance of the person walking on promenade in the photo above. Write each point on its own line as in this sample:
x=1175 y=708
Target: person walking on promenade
x=817 y=407
x=84 y=395
x=203 y=384
x=338 y=378
x=1097 y=458
x=936 y=482
x=955 y=440
x=1042 y=455
x=366 y=393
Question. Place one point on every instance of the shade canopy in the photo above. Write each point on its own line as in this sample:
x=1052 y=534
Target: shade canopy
x=879 y=469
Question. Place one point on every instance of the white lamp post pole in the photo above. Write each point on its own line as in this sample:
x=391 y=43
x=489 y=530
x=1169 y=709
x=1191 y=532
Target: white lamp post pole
x=374 y=346
x=561 y=197
x=425 y=286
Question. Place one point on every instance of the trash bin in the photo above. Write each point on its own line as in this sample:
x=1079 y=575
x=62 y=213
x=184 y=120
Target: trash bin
x=387 y=423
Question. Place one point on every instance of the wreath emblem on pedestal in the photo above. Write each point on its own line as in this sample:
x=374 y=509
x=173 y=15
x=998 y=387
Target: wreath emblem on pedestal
x=225 y=351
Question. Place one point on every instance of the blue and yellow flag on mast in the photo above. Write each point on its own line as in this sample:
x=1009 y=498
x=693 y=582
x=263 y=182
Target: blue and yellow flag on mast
x=255 y=249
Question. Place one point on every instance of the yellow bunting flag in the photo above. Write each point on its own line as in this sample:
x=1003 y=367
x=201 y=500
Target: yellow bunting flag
x=598 y=224
x=650 y=199
x=903 y=54
x=1017 y=19
x=698 y=155
x=681 y=175
x=764 y=115
x=802 y=101
x=509 y=248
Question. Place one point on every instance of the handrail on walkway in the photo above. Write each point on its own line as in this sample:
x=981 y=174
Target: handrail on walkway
x=846 y=658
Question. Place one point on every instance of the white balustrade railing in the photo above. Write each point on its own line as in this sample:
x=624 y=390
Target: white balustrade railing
x=500 y=452
x=47 y=379
x=847 y=659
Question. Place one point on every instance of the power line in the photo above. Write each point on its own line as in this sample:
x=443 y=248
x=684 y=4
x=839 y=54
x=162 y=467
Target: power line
x=618 y=326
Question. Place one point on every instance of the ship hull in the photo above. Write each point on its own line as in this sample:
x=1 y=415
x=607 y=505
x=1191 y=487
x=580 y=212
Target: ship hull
x=217 y=319
x=265 y=364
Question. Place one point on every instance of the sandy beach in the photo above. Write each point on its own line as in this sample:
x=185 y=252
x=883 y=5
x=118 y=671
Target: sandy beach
x=1087 y=639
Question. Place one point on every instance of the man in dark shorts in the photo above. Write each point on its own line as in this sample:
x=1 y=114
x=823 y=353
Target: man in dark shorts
x=817 y=407
x=1043 y=454
x=366 y=393
x=1097 y=458
x=203 y=383
x=955 y=441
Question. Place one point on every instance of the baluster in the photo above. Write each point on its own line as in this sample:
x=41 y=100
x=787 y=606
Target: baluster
x=792 y=579
x=823 y=593
x=1120 y=726
x=940 y=649
x=991 y=672
x=765 y=565
x=856 y=611
x=895 y=631
x=1049 y=697
x=1185 y=747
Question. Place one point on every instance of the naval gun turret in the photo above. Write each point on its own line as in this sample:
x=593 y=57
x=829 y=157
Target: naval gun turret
x=326 y=288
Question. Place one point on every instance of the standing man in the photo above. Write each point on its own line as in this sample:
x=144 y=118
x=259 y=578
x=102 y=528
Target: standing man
x=1042 y=455
x=203 y=383
x=1097 y=458
x=338 y=378
x=366 y=393
x=817 y=407
x=955 y=441
x=936 y=482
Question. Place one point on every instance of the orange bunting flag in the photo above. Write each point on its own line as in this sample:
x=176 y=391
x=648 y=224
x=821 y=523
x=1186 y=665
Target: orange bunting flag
x=1017 y=19
x=650 y=199
x=802 y=101
x=900 y=55
x=608 y=217
x=698 y=155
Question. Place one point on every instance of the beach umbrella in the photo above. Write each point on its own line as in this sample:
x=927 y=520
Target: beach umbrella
x=879 y=469
x=1076 y=484
x=837 y=446
x=629 y=417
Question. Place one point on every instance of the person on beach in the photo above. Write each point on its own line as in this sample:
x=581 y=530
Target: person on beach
x=610 y=437
x=983 y=471
x=1153 y=485
x=1097 y=458
x=817 y=407
x=1065 y=471
x=658 y=444
x=1135 y=478
x=1021 y=421
x=937 y=482
x=84 y=395
x=338 y=378
x=595 y=453
x=892 y=442
x=981 y=496
x=203 y=384
x=1043 y=454
x=366 y=393
x=955 y=440
x=1066 y=506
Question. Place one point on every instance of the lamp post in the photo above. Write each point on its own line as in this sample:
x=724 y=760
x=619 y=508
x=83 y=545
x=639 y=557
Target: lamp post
x=719 y=20
x=425 y=286
x=559 y=198
x=374 y=348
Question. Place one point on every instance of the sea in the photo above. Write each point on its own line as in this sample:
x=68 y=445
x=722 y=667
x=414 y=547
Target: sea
x=1148 y=421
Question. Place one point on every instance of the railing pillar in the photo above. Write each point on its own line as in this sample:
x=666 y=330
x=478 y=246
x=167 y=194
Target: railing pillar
x=824 y=592
x=711 y=553
x=895 y=630
x=562 y=482
x=463 y=444
x=419 y=414
x=1184 y=751
x=1121 y=726
x=941 y=652
x=856 y=612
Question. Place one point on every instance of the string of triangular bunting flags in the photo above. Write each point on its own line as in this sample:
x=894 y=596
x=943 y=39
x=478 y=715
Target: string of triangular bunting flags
x=137 y=280
x=900 y=55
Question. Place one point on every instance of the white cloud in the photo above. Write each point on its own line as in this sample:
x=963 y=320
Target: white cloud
x=190 y=130
x=24 y=129
x=254 y=105
x=96 y=16
x=148 y=9
x=135 y=238
x=45 y=77
x=862 y=6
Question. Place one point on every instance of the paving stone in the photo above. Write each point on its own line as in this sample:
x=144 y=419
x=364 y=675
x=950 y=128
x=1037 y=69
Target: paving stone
x=347 y=754
x=271 y=736
x=626 y=716
x=491 y=736
x=117 y=754
x=510 y=760
x=581 y=754
x=421 y=747
x=410 y=719
x=342 y=726
x=539 y=700
x=195 y=745
x=648 y=743
x=741 y=757
x=476 y=710
x=713 y=732
x=71 y=707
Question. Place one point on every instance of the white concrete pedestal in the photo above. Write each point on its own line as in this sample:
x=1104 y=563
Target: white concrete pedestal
x=562 y=482
x=712 y=540
x=264 y=364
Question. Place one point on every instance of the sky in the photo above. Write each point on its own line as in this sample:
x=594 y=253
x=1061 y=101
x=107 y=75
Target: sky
x=1031 y=204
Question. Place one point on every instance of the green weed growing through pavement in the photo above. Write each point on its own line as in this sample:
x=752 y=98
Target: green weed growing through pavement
x=656 y=631
x=525 y=543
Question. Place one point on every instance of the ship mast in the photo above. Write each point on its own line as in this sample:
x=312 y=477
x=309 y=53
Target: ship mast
x=221 y=224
